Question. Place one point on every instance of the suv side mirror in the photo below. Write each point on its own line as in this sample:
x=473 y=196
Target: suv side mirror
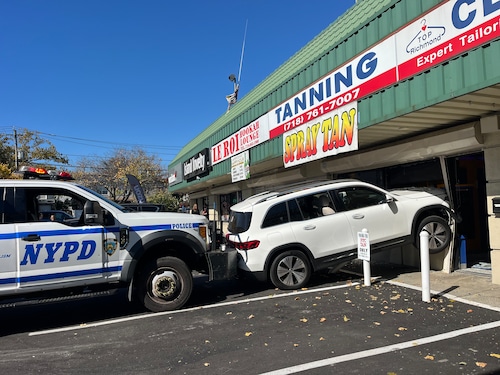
x=388 y=199
x=92 y=213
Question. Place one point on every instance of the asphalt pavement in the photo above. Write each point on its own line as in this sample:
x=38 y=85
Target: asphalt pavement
x=337 y=325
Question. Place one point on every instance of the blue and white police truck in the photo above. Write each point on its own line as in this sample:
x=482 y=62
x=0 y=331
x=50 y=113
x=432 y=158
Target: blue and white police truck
x=100 y=246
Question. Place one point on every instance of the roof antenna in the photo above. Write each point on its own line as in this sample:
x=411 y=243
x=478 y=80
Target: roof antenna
x=232 y=98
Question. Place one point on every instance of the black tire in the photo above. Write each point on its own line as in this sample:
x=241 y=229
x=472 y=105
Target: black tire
x=290 y=270
x=164 y=284
x=439 y=233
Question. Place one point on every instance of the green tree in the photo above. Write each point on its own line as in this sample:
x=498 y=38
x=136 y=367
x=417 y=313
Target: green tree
x=166 y=198
x=33 y=150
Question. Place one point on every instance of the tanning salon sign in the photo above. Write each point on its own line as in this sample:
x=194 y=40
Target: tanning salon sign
x=329 y=134
x=320 y=120
x=446 y=31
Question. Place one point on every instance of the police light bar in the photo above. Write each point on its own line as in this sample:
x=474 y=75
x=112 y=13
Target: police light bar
x=31 y=173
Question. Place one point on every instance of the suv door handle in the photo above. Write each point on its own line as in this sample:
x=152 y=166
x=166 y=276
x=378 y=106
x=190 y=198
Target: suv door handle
x=32 y=238
x=358 y=216
x=310 y=227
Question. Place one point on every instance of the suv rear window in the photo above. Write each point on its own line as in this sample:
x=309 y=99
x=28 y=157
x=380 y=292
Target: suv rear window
x=239 y=222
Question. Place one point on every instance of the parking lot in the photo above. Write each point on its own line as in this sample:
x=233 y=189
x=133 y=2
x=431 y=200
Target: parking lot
x=336 y=325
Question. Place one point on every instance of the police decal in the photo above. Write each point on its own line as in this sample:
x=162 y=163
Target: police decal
x=110 y=246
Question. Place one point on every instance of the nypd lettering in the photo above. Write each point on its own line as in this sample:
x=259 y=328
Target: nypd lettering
x=58 y=251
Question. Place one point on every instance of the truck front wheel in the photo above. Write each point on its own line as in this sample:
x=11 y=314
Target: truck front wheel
x=164 y=284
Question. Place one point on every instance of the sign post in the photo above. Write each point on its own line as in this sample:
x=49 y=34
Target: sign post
x=364 y=255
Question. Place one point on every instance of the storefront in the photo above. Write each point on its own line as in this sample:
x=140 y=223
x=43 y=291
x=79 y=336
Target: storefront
x=396 y=92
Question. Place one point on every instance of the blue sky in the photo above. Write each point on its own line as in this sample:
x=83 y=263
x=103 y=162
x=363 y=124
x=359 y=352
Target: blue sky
x=95 y=75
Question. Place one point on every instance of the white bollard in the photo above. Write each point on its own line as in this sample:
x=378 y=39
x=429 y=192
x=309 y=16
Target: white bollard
x=425 y=266
x=367 y=273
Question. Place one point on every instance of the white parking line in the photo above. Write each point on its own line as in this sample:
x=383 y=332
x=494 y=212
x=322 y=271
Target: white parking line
x=222 y=304
x=447 y=295
x=382 y=350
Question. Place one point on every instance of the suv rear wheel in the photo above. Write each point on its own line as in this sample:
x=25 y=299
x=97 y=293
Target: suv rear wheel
x=290 y=270
x=439 y=233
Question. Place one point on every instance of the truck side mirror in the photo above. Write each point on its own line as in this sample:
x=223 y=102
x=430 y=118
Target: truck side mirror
x=92 y=213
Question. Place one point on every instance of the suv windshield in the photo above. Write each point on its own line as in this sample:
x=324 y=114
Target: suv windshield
x=239 y=222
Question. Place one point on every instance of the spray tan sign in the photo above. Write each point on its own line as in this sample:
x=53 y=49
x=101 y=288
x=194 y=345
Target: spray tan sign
x=330 y=134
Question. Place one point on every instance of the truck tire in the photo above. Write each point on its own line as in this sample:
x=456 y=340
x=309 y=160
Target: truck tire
x=439 y=233
x=290 y=270
x=164 y=284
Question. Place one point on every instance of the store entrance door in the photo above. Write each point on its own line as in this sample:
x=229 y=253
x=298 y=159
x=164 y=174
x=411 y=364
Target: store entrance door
x=468 y=189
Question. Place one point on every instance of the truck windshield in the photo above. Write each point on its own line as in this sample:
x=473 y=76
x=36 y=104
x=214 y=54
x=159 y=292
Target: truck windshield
x=114 y=204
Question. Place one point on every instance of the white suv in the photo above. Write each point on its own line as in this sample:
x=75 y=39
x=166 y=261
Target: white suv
x=284 y=236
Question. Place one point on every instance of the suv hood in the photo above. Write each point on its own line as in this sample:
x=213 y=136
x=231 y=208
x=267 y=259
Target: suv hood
x=418 y=193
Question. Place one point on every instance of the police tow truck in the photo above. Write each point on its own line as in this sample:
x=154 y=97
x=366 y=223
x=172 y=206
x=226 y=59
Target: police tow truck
x=99 y=246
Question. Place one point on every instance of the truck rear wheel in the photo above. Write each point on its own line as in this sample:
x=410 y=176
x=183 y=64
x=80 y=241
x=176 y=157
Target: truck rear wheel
x=164 y=284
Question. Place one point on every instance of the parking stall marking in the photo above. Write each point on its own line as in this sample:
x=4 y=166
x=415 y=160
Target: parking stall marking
x=383 y=350
x=447 y=295
x=222 y=304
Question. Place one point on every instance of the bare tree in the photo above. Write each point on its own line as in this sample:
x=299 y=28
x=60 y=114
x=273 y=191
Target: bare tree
x=110 y=173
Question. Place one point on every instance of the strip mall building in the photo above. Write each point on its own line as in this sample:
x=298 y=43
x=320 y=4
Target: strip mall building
x=395 y=92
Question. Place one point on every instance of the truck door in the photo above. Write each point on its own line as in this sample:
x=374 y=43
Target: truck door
x=57 y=253
x=52 y=253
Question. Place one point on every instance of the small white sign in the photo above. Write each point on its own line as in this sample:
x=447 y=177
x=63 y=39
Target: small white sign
x=363 y=246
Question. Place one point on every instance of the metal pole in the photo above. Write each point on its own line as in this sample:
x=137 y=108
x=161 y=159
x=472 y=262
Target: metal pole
x=425 y=266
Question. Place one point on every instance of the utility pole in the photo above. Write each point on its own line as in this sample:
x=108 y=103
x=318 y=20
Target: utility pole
x=15 y=150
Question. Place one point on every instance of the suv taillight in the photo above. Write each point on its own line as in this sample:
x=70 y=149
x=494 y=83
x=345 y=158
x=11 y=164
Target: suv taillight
x=248 y=245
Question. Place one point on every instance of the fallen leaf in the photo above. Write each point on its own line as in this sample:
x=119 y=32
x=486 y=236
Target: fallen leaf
x=207 y=341
x=248 y=334
x=402 y=329
x=495 y=355
x=297 y=298
x=251 y=316
x=469 y=311
x=303 y=320
x=376 y=323
x=481 y=364
x=348 y=301
x=321 y=339
x=397 y=296
x=206 y=364
x=322 y=320
x=346 y=319
x=229 y=313
x=429 y=357
x=295 y=345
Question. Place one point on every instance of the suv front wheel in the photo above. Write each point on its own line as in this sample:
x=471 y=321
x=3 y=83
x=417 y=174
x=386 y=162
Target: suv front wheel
x=290 y=270
x=439 y=233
